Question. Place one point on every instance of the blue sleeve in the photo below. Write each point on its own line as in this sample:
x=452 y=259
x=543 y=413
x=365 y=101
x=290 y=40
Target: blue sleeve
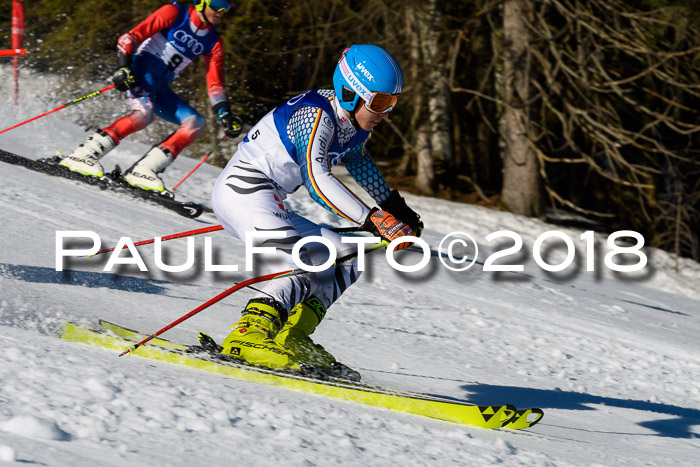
x=366 y=173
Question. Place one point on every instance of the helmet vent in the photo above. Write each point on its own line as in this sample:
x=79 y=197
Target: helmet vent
x=348 y=94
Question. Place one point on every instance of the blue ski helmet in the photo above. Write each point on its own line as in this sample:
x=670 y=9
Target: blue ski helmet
x=363 y=71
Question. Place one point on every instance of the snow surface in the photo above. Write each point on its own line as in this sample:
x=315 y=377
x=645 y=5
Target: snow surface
x=613 y=359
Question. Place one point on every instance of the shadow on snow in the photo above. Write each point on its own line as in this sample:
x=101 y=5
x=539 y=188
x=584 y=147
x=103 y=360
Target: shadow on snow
x=44 y=275
x=677 y=427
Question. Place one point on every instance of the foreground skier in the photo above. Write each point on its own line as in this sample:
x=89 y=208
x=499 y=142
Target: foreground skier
x=296 y=144
x=150 y=56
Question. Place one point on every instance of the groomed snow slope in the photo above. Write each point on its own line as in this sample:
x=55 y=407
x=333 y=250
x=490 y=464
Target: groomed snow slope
x=613 y=359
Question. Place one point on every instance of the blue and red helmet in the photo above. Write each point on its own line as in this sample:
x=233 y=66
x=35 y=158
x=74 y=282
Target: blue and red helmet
x=370 y=73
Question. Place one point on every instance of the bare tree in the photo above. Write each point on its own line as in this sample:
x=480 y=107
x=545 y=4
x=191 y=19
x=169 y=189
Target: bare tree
x=618 y=92
x=521 y=179
x=427 y=76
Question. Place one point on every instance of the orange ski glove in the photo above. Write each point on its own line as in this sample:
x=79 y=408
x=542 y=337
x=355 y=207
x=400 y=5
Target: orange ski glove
x=388 y=227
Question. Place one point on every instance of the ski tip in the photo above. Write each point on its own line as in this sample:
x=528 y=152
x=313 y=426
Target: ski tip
x=525 y=418
x=192 y=210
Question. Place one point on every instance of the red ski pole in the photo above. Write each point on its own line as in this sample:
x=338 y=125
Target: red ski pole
x=292 y=272
x=213 y=228
x=80 y=99
x=218 y=298
x=200 y=162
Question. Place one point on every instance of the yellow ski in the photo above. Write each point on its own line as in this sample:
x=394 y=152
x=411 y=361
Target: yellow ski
x=114 y=337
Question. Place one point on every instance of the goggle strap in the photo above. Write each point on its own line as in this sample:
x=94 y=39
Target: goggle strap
x=353 y=80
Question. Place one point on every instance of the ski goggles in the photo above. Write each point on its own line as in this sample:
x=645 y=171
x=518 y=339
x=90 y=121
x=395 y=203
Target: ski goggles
x=219 y=5
x=381 y=102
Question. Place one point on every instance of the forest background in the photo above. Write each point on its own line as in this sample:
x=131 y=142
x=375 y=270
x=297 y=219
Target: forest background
x=543 y=107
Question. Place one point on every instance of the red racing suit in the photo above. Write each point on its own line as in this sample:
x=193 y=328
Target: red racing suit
x=160 y=47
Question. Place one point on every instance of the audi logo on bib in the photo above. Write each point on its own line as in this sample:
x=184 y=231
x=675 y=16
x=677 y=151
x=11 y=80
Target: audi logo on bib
x=190 y=42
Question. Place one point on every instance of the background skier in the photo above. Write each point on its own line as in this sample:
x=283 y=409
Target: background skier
x=150 y=56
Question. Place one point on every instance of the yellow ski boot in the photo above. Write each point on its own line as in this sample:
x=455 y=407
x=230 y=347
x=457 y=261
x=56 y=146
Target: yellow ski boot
x=294 y=335
x=252 y=338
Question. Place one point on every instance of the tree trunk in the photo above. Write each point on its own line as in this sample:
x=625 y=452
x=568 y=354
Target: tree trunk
x=521 y=190
x=437 y=89
x=425 y=173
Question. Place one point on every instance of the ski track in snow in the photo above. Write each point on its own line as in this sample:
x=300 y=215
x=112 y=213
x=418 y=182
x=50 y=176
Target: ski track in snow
x=614 y=361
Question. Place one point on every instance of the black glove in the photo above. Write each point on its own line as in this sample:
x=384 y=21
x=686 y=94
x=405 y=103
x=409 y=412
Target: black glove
x=396 y=205
x=232 y=124
x=124 y=79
